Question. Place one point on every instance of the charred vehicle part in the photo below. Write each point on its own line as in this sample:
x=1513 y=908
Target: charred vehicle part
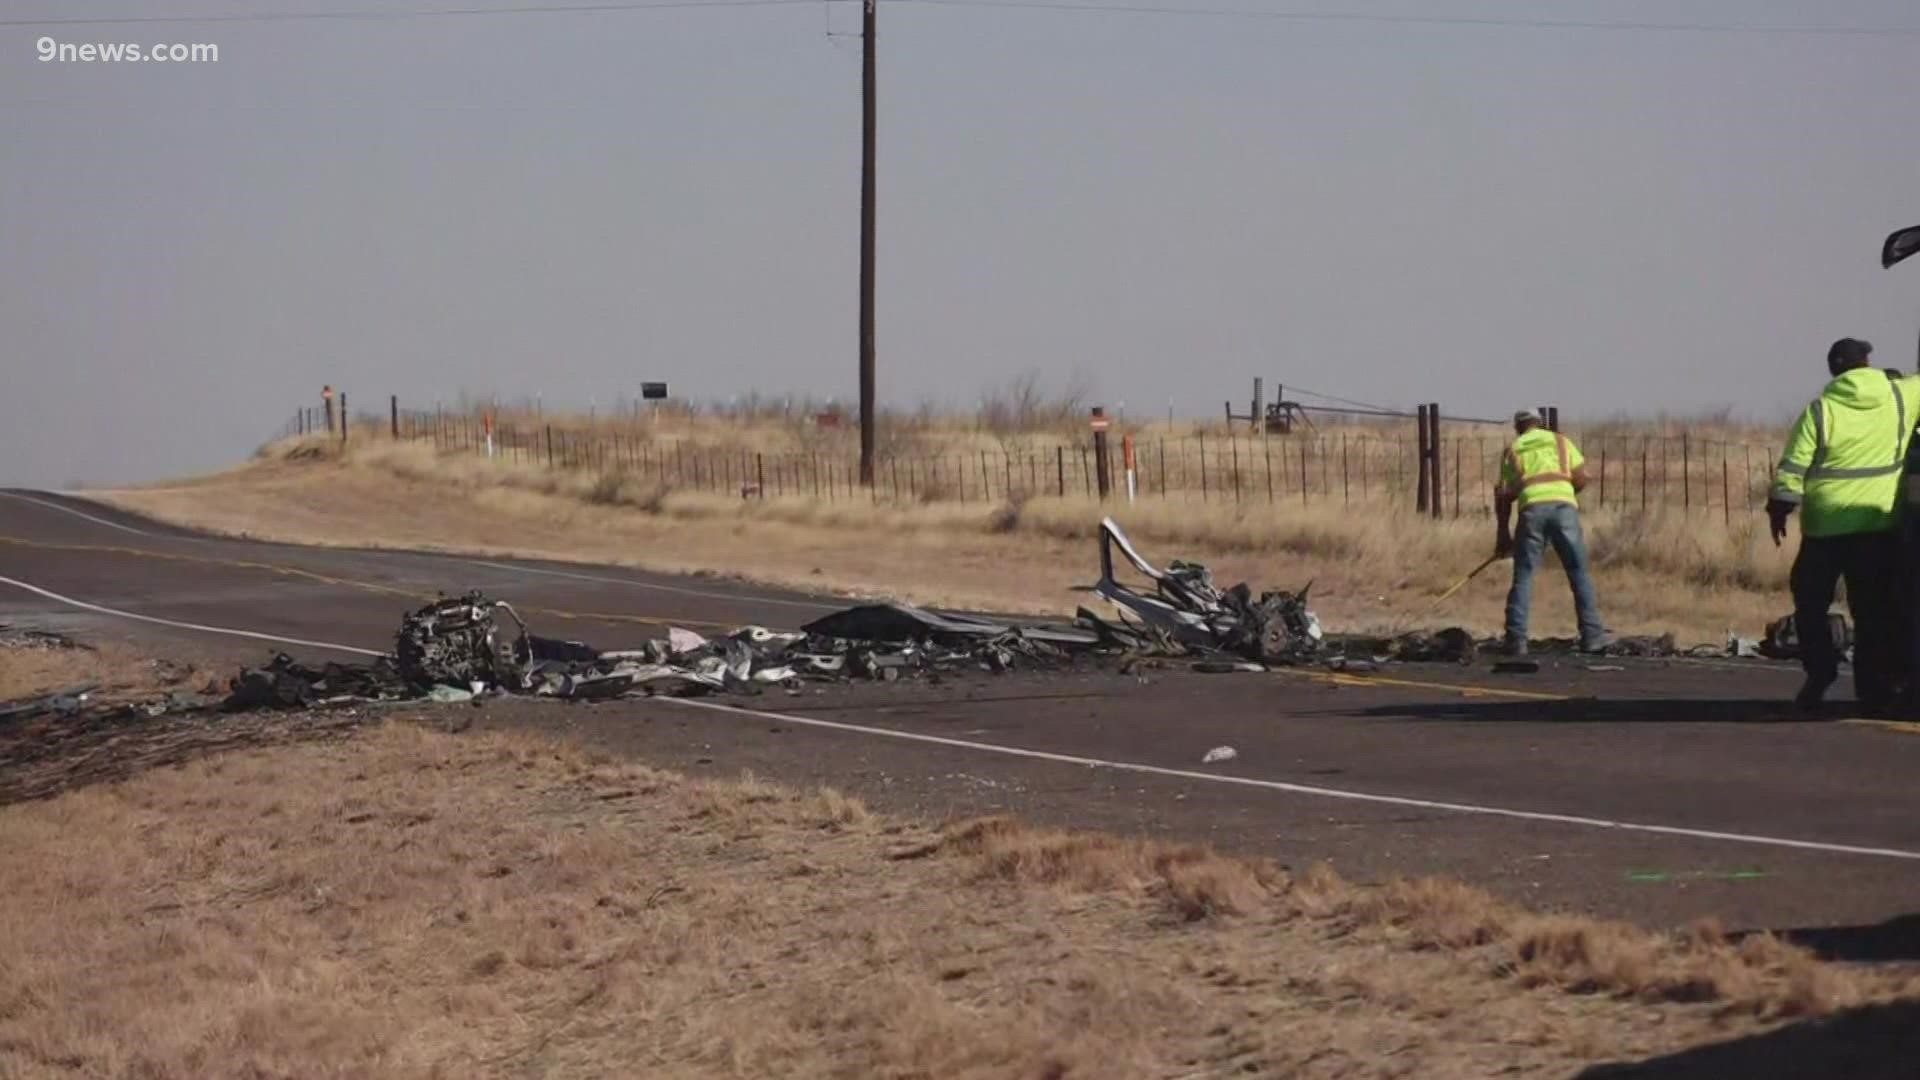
x=1277 y=628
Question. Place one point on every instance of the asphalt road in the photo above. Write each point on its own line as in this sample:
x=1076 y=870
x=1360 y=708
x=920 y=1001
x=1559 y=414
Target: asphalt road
x=1657 y=791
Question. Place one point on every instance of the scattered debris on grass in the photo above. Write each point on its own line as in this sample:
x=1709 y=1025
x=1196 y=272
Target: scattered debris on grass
x=12 y=637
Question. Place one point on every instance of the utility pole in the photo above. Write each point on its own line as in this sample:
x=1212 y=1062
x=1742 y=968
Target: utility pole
x=869 y=86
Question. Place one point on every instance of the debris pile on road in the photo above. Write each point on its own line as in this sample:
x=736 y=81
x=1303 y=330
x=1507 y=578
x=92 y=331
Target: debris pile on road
x=284 y=683
x=1187 y=609
x=459 y=647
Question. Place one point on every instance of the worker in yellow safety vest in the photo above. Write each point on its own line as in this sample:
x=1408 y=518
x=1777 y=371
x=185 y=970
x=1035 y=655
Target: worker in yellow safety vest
x=1542 y=473
x=1841 y=469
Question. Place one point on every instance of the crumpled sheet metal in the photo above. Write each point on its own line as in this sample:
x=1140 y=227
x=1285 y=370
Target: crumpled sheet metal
x=1188 y=608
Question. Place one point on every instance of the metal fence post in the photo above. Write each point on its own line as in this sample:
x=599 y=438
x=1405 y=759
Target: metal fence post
x=393 y=412
x=1424 y=436
x=1726 y=497
x=343 y=418
x=1346 y=486
x=1203 y=466
x=1266 y=449
x=1457 y=470
x=1644 y=456
x=1686 y=470
x=1236 y=464
x=1438 y=500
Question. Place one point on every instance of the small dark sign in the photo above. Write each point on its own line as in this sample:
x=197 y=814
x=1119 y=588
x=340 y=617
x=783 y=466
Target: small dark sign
x=653 y=391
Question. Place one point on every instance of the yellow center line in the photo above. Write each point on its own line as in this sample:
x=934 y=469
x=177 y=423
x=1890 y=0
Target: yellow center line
x=1905 y=727
x=350 y=583
x=1341 y=678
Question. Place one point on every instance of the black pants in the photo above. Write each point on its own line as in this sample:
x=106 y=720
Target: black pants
x=1875 y=591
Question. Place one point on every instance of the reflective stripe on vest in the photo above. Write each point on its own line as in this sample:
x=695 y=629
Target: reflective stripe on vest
x=1565 y=474
x=1818 y=471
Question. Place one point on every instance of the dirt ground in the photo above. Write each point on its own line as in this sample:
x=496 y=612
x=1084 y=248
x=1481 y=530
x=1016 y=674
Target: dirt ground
x=340 y=894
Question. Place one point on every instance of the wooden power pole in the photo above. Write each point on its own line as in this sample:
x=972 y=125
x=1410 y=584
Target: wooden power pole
x=869 y=85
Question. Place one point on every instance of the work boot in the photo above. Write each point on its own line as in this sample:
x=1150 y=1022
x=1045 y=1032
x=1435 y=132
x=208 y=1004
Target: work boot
x=1814 y=690
x=1514 y=646
x=1596 y=645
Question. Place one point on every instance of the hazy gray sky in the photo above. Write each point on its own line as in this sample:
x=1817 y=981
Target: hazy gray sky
x=1169 y=204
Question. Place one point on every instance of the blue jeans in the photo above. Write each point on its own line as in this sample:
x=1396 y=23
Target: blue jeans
x=1557 y=523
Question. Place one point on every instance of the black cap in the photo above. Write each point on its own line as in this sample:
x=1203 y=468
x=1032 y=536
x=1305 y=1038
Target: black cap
x=1849 y=353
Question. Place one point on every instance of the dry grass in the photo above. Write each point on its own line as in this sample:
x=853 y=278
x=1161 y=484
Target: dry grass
x=118 y=670
x=1022 y=414
x=1373 y=570
x=417 y=904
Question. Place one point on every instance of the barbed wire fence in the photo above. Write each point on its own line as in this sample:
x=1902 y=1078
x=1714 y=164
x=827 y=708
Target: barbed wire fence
x=1339 y=463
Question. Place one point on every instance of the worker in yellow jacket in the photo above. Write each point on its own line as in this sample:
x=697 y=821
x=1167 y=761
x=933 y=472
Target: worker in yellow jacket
x=1543 y=473
x=1841 y=470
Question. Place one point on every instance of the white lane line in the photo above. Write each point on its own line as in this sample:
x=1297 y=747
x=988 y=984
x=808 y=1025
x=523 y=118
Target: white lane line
x=1101 y=763
x=256 y=635
x=1307 y=789
x=76 y=513
x=735 y=597
x=436 y=556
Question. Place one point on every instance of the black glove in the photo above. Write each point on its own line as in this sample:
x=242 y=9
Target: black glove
x=1777 y=514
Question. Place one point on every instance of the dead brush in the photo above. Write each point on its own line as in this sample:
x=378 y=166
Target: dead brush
x=1195 y=882
x=622 y=488
x=1758 y=976
x=1006 y=517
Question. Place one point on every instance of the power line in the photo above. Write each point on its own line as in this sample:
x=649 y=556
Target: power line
x=1438 y=20
x=1334 y=398
x=418 y=13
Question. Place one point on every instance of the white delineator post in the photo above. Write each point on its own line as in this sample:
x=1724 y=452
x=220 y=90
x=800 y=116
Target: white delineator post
x=1126 y=453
